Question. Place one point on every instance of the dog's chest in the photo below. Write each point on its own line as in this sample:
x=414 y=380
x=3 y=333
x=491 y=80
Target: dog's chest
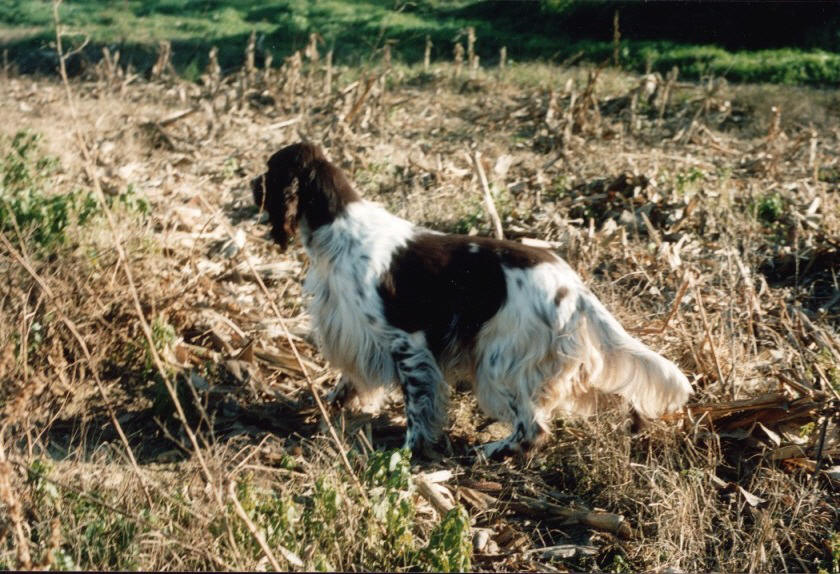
x=347 y=315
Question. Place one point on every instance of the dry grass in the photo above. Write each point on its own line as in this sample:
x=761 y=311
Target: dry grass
x=709 y=227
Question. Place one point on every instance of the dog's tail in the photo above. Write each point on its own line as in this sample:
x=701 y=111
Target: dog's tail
x=625 y=366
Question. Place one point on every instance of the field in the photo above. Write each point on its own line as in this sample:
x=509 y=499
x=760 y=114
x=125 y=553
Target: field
x=155 y=414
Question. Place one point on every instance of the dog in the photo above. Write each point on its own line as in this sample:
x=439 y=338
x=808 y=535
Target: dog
x=393 y=302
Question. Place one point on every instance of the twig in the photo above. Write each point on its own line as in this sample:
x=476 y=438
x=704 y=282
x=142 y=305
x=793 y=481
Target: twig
x=290 y=556
x=599 y=520
x=71 y=326
x=488 y=198
x=427 y=491
x=303 y=369
x=123 y=259
x=821 y=446
x=709 y=338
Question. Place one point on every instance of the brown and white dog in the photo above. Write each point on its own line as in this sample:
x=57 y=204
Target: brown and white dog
x=393 y=302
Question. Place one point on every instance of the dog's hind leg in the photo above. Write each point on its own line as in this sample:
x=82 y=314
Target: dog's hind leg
x=510 y=390
x=526 y=418
x=426 y=393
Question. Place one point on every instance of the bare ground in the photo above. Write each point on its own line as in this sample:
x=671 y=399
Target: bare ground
x=707 y=217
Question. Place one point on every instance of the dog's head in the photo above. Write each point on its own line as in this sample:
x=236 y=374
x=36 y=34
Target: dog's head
x=277 y=191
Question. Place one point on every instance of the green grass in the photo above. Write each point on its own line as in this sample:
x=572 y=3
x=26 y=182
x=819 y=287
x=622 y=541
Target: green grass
x=356 y=30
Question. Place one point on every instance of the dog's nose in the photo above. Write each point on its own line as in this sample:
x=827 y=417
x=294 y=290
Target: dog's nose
x=257 y=188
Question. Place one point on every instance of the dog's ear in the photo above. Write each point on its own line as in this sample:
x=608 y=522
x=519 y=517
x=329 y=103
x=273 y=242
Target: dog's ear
x=287 y=228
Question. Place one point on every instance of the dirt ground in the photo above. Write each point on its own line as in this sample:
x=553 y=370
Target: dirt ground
x=705 y=216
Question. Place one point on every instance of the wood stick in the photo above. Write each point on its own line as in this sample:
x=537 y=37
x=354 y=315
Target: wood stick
x=290 y=556
x=711 y=342
x=597 y=519
x=427 y=491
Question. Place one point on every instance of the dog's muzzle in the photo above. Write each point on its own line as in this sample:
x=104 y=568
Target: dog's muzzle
x=258 y=189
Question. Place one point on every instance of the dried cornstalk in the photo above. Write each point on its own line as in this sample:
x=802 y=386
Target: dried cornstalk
x=269 y=60
x=708 y=332
x=110 y=66
x=502 y=57
x=163 y=65
x=292 y=74
x=250 y=54
x=311 y=51
x=551 y=110
x=357 y=105
x=665 y=93
x=459 y=58
x=775 y=125
x=471 y=47
x=386 y=56
x=599 y=520
x=616 y=39
x=812 y=154
x=213 y=72
x=328 y=73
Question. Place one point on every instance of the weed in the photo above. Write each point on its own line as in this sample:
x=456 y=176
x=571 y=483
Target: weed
x=450 y=544
x=29 y=209
x=192 y=72
x=277 y=516
x=163 y=335
x=94 y=536
x=129 y=202
x=620 y=564
x=832 y=565
x=807 y=430
x=25 y=206
x=313 y=525
x=388 y=477
x=770 y=208
x=35 y=337
x=469 y=222
x=558 y=190
x=685 y=181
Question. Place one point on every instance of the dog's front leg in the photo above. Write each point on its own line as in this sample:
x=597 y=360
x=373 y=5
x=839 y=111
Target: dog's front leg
x=355 y=393
x=426 y=393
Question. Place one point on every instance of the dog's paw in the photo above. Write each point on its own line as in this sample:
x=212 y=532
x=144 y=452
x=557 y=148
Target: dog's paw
x=343 y=392
x=496 y=450
x=422 y=449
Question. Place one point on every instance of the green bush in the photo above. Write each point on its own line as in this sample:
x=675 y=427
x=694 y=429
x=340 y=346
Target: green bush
x=25 y=205
x=770 y=208
x=450 y=545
